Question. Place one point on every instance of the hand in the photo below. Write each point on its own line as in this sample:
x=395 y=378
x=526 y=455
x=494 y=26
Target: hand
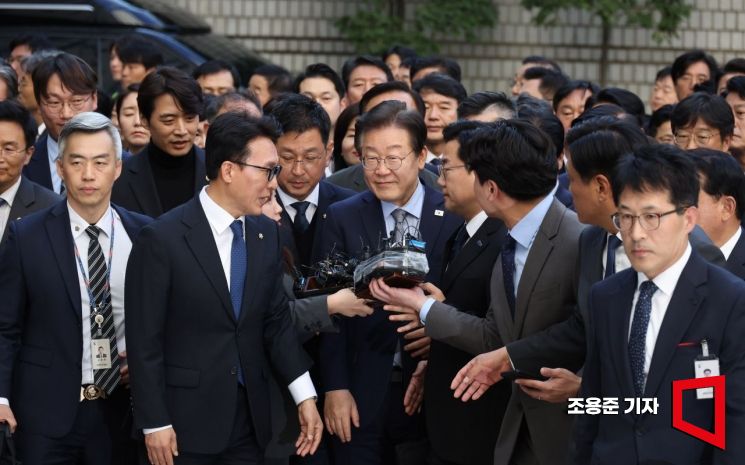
x=124 y=368
x=433 y=291
x=344 y=302
x=161 y=446
x=420 y=345
x=398 y=297
x=560 y=385
x=338 y=410
x=311 y=428
x=472 y=381
x=6 y=416
x=410 y=318
x=415 y=392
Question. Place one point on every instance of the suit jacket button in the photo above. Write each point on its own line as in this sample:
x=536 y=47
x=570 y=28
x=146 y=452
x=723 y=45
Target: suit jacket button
x=233 y=371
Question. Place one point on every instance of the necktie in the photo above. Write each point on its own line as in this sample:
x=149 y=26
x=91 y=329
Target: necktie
x=508 y=271
x=610 y=257
x=301 y=221
x=458 y=242
x=437 y=161
x=401 y=225
x=238 y=262
x=62 y=188
x=107 y=378
x=638 y=337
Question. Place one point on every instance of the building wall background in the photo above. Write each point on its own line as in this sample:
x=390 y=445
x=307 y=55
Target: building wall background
x=295 y=33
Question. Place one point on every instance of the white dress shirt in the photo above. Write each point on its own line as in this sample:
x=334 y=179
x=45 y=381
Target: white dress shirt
x=726 y=248
x=665 y=282
x=474 y=224
x=52 y=153
x=288 y=200
x=8 y=196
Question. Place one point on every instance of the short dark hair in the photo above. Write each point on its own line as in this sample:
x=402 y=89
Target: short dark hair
x=516 y=155
x=551 y=81
x=35 y=42
x=551 y=125
x=737 y=85
x=9 y=76
x=179 y=85
x=137 y=49
x=229 y=136
x=12 y=111
x=722 y=176
x=527 y=106
x=278 y=79
x=564 y=91
x=391 y=86
x=214 y=67
x=658 y=167
x=663 y=73
x=445 y=65
x=735 y=65
x=461 y=131
x=74 y=73
x=132 y=88
x=441 y=84
x=596 y=145
x=542 y=61
x=480 y=102
x=340 y=130
x=685 y=60
x=321 y=70
x=629 y=101
x=392 y=113
x=369 y=60
x=658 y=118
x=299 y=113
x=401 y=51
x=214 y=106
x=712 y=109
x=604 y=110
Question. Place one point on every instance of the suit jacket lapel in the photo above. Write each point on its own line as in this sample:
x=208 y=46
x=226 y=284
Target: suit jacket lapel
x=60 y=237
x=736 y=260
x=374 y=224
x=24 y=198
x=619 y=312
x=326 y=197
x=201 y=241
x=490 y=230
x=200 y=170
x=594 y=254
x=689 y=294
x=38 y=167
x=256 y=250
x=431 y=221
x=142 y=185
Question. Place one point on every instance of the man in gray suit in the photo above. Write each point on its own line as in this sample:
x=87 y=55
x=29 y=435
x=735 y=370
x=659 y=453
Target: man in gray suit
x=18 y=195
x=533 y=283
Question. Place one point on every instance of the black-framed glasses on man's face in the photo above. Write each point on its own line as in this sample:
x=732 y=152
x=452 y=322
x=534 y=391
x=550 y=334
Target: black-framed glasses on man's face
x=271 y=172
x=648 y=221
x=442 y=170
x=391 y=162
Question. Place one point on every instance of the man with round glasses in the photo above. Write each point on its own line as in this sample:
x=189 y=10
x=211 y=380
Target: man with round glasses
x=703 y=120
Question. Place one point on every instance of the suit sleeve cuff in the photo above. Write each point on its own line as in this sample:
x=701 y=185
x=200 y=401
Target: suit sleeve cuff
x=155 y=430
x=4 y=401
x=425 y=309
x=302 y=389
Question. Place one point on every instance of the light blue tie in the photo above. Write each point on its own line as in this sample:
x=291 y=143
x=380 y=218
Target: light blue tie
x=238 y=261
x=638 y=337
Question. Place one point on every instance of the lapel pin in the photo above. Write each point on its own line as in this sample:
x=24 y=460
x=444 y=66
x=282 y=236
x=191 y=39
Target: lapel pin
x=324 y=216
x=261 y=236
x=439 y=213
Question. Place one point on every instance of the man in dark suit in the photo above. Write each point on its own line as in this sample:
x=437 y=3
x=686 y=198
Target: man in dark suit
x=652 y=321
x=533 y=284
x=721 y=204
x=364 y=368
x=18 y=196
x=207 y=313
x=170 y=170
x=62 y=305
x=64 y=85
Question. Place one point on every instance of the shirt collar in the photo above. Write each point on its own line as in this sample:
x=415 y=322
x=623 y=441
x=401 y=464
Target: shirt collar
x=668 y=279
x=288 y=200
x=729 y=246
x=52 y=149
x=79 y=225
x=526 y=229
x=473 y=225
x=413 y=207
x=10 y=194
x=218 y=218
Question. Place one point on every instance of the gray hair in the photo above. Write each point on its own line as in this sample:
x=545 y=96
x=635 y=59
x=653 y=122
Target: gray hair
x=30 y=62
x=8 y=75
x=90 y=122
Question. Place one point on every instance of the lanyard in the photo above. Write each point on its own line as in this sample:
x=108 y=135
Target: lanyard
x=86 y=278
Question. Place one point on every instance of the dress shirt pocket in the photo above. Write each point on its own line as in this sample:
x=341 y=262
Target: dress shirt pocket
x=182 y=377
x=35 y=356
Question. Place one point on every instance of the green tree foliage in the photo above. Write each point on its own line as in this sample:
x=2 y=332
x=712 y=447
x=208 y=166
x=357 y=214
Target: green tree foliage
x=380 y=24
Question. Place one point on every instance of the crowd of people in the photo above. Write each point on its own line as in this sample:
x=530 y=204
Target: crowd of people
x=153 y=234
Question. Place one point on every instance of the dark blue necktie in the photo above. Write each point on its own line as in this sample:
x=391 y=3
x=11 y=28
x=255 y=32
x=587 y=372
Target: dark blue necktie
x=508 y=271
x=638 y=337
x=458 y=242
x=610 y=256
x=301 y=221
x=238 y=261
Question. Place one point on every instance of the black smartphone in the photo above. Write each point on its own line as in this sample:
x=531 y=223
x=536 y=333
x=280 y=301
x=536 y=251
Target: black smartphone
x=519 y=374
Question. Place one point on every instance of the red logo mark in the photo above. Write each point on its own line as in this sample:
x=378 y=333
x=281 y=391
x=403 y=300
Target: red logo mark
x=717 y=438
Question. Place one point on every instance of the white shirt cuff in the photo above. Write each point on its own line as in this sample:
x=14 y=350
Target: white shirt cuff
x=302 y=388
x=425 y=309
x=4 y=401
x=155 y=430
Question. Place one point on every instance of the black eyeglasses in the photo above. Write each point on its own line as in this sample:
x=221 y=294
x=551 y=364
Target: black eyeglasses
x=270 y=172
x=648 y=221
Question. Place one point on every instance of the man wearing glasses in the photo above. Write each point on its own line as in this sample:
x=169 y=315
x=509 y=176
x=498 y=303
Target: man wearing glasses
x=703 y=120
x=653 y=321
x=64 y=85
x=207 y=314
x=365 y=367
